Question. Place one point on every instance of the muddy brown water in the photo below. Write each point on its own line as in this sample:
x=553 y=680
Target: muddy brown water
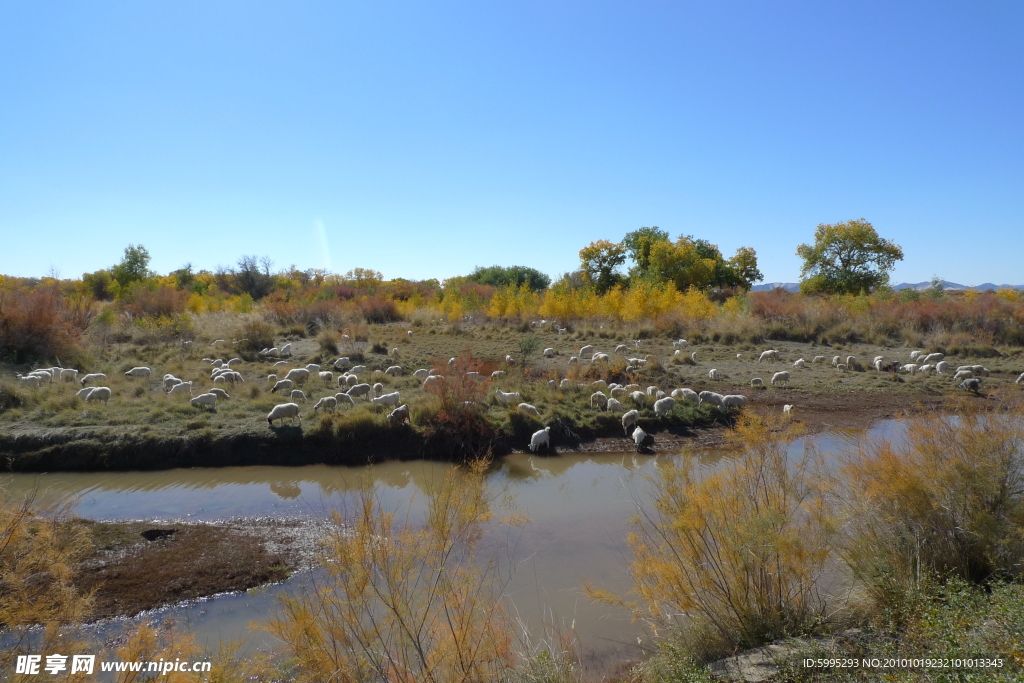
x=578 y=506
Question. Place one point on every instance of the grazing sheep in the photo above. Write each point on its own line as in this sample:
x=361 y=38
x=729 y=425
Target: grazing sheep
x=714 y=374
x=98 y=394
x=565 y=384
x=357 y=369
x=399 y=415
x=298 y=375
x=432 y=380
x=510 y=360
x=835 y=361
x=787 y=409
x=273 y=352
x=219 y=393
x=360 y=390
x=39 y=376
x=622 y=349
x=818 y=359
x=138 y=372
x=392 y=399
x=780 y=378
x=756 y=382
x=82 y=393
x=552 y=384
x=286 y=350
x=711 y=397
x=344 y=398
x=204 y=400
x=423 y=373
x=926 y=368
x=509 y=397
x=573 y=360
x=328 y=403
x=271 y=378
x=640 y=437
x=378 y=389
x=497 y=374
x=978 y=370
x=629 y=419
x=962 y=374
x=940 y=368
x=451 y=361
x=932 y=358
x=528 y=409
x=770 y=354
x=312 y=367
x=394 y=371
x=734 y=401
x=618 y=392
x=969 y=384
x=326 y=376
x=283 y=410
x=639 y=398
x=298 y=395
x=681 y=343
x=539 y=439
x=342 y=363
x=914 y=354
x=181 y=388
x=408 y=334
x=601 y=357
x=664 y=406
x=281 y=363
x=232 y=376
x=599 y=384
x=693 y=356
x=169 y=381
x=799 y=363
x=549 y=353
x=68 y=375
x=651 y=390
x=598 y=398
x=685 y=394
x=878 y=364
x=739 y=356
x=613 y=406
x=93 y=377
x=234 y=361
x=842 y=367
x=283 y=384
x=586 y=351
x=395 y=352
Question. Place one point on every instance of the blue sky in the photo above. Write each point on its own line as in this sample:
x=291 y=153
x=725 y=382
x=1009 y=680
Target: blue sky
x=422 y=140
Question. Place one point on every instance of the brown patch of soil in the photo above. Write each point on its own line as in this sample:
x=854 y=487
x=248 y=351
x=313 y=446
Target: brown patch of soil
x=130 y=574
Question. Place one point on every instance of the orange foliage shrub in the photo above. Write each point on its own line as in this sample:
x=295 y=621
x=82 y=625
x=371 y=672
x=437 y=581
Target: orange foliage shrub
x=41 y=323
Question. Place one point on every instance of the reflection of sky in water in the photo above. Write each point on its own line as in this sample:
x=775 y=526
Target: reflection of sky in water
x=578 y=506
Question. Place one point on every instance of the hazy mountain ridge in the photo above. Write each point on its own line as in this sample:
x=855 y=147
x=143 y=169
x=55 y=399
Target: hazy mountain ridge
x=920 y=286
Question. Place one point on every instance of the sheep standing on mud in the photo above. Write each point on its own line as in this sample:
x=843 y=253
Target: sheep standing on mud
x=540 y=439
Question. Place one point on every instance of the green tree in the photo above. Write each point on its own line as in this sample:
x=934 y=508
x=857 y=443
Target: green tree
x=639 y=244
x=511 y=276
x=847 y=258
x=528 y=345
x=599 y=261
x=134 y=267
x=743 y=268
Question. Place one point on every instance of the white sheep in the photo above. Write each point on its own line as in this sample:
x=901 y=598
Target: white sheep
x=598 y=400
x=651 y=390
x=283 y=384
x=326 y=376
x=684 y=394
x=940 y=368
x=344 y=398
x=978 y=370
x=432 y=380
x=360 y=390
x=963 y=374
x=549 y=353
x=394 y=371
x=408 y=334
x=780 y=378
x=298 y=395
x=528 y=409
x=835 y=361
x=552 y=384
x=909 y=368
x=98 y=394
x=639 y=437
x=68 y=375
x=498 y=374
x=271 y=378
x=219 y=393
x=392 y=399
x=878 y=364
x=451 y=361
x=693 y=356
x=328 y=403
x=756 y=382
x=787 y=409
x=281 y=363
x=932 y=358
x=565 y=384
x=680 y=343
x=618 y=392
x=818 y=359
x=506 y=398
x=734 y=401
x=622 y=349
x=378 y=389
x=395 y=352
x=573 y=360
x=283 y=410
x=914 y=354
x=170 y=381
x=205 y=400
x=924 y=369
x=614 y=405
x=234 y=361
x=399 y=415
x=357 y=369
x=298 y=375
x=540 y=438
x=351 y=380
x=313 y=367
x=639 y=398
x=92 y=377
x=138 y=372
x=586 y=351
x=82 y=393
x=510 y=360
x=273 y=352
x=799 y=363
x=423 y=373
x=664 y=406
x=770 y=354
x=342 y=363
x=971 y=384
x=842 y=367
x=286 y=350
x=714 y=374
x=711 y=397
x=181 y=388
x=629 y=419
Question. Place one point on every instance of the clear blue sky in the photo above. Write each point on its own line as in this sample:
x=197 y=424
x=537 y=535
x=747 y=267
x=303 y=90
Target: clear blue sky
x=423 y=140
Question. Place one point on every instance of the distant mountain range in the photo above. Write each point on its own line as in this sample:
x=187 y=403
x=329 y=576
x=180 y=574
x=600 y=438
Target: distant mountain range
x=919 y=286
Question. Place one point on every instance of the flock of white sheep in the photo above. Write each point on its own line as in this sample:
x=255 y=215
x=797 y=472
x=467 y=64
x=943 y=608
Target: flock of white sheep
x=345 y=375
